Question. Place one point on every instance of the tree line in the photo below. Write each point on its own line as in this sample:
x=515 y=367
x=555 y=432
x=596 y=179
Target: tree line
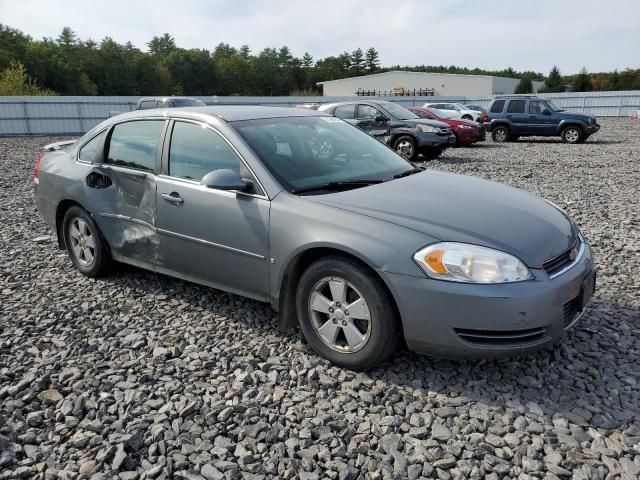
x=68 y=65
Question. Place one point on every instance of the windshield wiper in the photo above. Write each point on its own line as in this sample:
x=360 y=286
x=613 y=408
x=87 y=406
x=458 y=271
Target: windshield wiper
x=344 y=185
x=406 y=173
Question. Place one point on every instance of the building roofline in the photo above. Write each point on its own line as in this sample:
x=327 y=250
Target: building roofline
x=414 y=73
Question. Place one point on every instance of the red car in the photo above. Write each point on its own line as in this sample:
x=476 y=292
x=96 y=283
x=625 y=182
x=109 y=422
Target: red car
x=466 y=131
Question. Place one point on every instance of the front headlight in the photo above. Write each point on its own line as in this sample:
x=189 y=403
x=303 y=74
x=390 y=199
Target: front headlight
x=461 y=262
x=466 y=126
x=426 y=128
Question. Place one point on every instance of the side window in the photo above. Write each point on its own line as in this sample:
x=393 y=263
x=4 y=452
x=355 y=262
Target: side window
x=147 y=104
x=135 y=144
x=196 y=151
x=497 y=106
x=536 y=106
x=367 y=112
x=345 y=112
x=88 y=151
x=516 y=106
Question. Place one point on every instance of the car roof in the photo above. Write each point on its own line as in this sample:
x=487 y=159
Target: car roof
x=354 y=102
x=229 y=113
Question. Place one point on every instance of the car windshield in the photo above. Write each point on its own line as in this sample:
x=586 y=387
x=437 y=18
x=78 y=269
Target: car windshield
x=442 y=113
x=398 y=111
x=553 y=106
x=308 y=152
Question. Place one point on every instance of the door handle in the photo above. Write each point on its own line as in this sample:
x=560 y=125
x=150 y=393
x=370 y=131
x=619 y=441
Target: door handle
x=172 y=197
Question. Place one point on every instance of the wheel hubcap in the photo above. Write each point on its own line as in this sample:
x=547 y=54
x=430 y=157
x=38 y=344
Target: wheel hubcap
x=571 y=135
x=405 y=149
x=82 y=242
x=339 y=315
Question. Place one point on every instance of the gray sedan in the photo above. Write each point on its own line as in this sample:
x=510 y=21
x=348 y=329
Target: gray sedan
x=344 y=237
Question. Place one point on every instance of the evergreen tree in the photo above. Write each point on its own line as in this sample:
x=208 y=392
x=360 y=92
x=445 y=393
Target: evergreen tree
x=582 y=82
x=553 y=83
x=307 y=60
x=372 y=61
x=162 y=46
x=357 y=61
x=525 y=85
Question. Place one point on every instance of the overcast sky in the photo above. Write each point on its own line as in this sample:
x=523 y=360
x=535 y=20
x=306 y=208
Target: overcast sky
x=525 y=35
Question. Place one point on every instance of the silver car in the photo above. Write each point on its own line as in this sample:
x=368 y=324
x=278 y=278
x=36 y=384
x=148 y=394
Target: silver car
x=344 y=237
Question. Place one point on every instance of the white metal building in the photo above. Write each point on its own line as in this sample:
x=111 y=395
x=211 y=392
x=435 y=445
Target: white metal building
x=438 y=84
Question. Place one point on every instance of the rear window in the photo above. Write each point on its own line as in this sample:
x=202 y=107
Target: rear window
x=147 y=104
x=135 y=144
x=516 y=106
x=497 y=106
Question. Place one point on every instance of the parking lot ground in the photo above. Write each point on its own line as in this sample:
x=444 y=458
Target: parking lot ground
x=138 y=375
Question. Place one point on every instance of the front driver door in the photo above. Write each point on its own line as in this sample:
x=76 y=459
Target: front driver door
x=215 y=237
x=366 y=119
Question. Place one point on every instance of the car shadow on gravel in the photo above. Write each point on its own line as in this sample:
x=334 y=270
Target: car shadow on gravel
x=590 y=377
x=454 y=160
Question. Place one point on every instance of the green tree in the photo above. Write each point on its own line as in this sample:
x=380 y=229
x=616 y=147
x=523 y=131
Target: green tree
x=13 y=45
x=553 y=83
x=582 y=81
x=357 y=61
x=161 y=46
x=372 y=61
x=307 y=60
x=525 y=85
x=15 y=81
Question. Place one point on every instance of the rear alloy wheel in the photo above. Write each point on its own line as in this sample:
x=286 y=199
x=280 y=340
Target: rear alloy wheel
x=346 y=314
x=467 y=117
x=571 y=134
x=406 y=146
x=500 y=134
x=84 y=243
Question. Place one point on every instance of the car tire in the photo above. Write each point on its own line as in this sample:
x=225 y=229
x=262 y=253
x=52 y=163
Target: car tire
x=358 y=341
x=432 y=153
x=571 y=134
x=84 y=243
x=405 y=145
x=500 y=134
x=467 y=117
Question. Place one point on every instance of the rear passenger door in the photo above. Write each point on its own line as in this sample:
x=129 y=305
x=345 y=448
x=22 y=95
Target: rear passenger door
x=516 y=114
x=215 y=237
x=125 y=210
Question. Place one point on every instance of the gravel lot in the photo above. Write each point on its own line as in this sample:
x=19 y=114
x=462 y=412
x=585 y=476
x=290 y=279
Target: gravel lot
x=138 y=375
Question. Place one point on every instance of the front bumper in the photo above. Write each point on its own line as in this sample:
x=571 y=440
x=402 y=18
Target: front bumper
x=433 y=140
x=592 y=128
x=460 y=320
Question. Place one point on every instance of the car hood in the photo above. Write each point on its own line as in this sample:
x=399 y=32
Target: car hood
x=424 y=121
x=459 y=208
x=470 y=123
x=574 y=116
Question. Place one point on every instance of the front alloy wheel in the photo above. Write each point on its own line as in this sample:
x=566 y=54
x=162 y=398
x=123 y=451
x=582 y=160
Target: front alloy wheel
x=339 y=315
x=571 y=135
x=406 y=146
x=346 y=313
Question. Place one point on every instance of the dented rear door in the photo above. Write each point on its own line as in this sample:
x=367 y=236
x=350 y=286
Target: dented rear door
x=126 y=208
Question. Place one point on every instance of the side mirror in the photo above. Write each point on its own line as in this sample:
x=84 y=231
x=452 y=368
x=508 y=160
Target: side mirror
x=546 y=111
x=381 y=118
x=224 y=179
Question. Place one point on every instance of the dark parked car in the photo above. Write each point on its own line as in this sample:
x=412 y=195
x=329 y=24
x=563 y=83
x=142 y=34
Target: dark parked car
x=395 y=125
x=146 y=103
x=354 y=245
x=517 y=116
x=466 y=131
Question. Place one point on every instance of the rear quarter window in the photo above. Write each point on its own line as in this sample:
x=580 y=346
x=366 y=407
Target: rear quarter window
x=88 y=151
x=497 y=106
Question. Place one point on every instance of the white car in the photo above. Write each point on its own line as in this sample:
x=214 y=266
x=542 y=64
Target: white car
x=457 y=109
